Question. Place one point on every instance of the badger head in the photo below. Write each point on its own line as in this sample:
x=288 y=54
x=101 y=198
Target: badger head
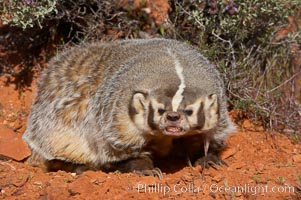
x=162 y=112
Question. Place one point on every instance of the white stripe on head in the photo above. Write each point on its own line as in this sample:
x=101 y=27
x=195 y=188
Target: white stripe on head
x=178 y=97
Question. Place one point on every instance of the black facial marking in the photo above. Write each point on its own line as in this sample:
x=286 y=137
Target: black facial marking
x=132 y=111
x=201 y=116
x=150 y=117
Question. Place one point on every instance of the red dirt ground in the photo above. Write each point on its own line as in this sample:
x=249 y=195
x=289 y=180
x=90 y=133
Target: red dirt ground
x=262 y=165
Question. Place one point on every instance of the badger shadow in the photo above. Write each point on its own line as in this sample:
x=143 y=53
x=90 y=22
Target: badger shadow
x=171 y=165
x=168 y=165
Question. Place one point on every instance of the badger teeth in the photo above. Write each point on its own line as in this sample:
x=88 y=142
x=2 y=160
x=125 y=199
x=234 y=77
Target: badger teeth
x=173 y=129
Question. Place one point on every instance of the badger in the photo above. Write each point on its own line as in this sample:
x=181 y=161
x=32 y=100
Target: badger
x=120 y=105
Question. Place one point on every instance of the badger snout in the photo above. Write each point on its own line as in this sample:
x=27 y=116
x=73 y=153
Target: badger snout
x=173 y=117
x=173 y=124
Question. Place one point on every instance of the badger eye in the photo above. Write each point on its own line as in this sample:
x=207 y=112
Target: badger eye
x=161 y=111
x=188 y=112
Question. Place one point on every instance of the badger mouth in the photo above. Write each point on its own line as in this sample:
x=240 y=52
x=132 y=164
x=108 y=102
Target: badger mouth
x=174 y=131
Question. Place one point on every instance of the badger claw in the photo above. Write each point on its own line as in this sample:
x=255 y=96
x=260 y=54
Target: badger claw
x=150 y=172
x=210 y=161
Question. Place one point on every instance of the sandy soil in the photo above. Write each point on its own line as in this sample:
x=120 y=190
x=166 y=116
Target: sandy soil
x=262 y=165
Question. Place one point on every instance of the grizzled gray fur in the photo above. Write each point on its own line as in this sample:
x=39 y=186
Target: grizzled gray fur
x=120 y=105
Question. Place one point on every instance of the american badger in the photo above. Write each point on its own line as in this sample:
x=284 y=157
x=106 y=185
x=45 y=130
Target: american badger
x=120 y=105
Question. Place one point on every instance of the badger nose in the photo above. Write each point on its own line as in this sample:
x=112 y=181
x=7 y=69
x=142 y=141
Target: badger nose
x=173 y=116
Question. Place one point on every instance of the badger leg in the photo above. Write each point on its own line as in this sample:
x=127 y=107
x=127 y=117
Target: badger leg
x=211 y=159
x=37 y=160
x=206 y=146
x=141 y=165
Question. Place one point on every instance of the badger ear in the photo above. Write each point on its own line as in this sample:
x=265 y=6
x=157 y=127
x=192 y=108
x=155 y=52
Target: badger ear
x=210 y=111
x=211 y=102
x=139 y=102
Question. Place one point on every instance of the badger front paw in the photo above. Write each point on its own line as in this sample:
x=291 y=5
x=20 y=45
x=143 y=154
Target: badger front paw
x=150 y=172
x=141 y=165
x=210 y=161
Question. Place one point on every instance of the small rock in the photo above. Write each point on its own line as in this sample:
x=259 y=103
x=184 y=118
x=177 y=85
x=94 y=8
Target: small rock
x=198 y=168
x=288 y=151
x=247 y=124
x=12 y=145
x=38 y=183
x=217 y=178
x=238 y=165
x=260 y=167
x=297 y=158
x=260 y=128
x=212 y=172
x=147 y=10
x=12 y=124
x=227 y=153
x=157 y=10
x=238 y=194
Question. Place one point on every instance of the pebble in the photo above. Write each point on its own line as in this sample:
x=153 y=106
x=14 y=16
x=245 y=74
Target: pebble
x=227 y=153
x=297 y=158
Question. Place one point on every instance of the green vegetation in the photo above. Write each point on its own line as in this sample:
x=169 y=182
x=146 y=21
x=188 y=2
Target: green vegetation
x=26 y=13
